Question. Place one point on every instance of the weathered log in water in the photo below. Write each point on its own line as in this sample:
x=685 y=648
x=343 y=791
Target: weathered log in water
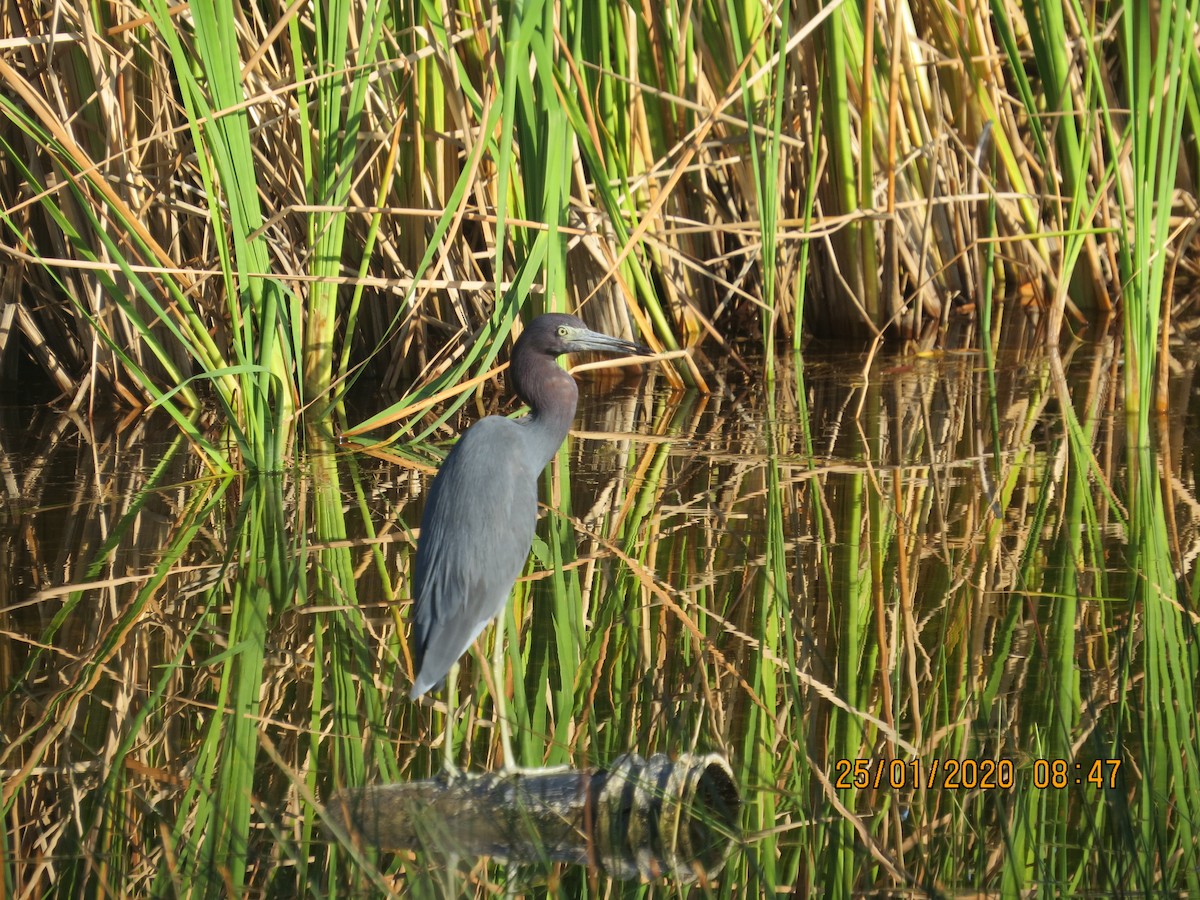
x=647 y=818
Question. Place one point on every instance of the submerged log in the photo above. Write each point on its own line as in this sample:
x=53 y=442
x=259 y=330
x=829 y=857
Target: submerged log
x=647 y=818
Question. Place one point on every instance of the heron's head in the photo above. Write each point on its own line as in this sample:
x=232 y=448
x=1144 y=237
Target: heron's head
x=536 y=378
x=557 y=333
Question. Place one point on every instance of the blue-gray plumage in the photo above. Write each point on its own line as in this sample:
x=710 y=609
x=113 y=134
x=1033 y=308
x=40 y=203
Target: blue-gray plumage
x=481 y=511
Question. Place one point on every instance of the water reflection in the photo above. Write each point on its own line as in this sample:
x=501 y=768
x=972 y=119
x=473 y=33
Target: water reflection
x=637 y=819
x=842 y=583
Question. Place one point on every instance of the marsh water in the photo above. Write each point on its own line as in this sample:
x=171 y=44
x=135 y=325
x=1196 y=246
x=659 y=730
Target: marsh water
x=937 y=612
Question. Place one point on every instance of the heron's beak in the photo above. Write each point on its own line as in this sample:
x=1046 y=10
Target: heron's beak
x=585 y=339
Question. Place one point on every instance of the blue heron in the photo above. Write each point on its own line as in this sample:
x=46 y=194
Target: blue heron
x=481 y=511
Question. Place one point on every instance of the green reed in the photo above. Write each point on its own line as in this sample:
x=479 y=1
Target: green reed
x=605 y=116
x=735 y=596
x=341 y=188
x=109 y=818
x=1155 y=52
x=1165 y=832
x=782 y=587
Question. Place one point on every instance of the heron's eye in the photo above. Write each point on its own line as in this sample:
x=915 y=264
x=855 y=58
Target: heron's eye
x=562 y=330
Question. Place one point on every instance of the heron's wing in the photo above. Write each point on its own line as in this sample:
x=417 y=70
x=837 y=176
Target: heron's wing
x=476 y=531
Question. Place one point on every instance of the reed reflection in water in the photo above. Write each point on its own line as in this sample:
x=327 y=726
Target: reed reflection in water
x=940 y=621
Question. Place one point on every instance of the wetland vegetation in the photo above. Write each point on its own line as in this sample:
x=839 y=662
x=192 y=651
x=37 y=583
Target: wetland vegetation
x=902 y=521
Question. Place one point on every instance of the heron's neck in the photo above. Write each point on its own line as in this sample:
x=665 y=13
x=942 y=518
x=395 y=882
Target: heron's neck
x=552 y=397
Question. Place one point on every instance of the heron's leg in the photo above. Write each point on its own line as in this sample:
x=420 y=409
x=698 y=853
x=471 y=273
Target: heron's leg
x=448 y=765
x=510 y=764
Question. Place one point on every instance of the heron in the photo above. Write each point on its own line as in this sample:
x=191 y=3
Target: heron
x=481 y=513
